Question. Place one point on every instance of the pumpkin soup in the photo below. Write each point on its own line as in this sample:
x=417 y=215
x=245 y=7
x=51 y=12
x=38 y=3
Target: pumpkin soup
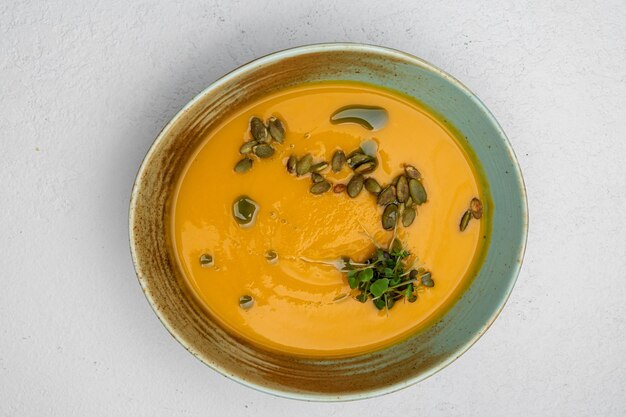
x=328 y=220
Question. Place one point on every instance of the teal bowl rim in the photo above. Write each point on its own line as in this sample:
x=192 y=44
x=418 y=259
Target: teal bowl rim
x=383 y=51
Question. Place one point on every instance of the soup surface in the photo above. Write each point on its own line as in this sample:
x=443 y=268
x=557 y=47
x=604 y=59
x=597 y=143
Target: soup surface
x=302 y=307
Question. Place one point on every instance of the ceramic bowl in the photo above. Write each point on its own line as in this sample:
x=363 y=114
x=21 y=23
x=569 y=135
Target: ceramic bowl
x=365 y=375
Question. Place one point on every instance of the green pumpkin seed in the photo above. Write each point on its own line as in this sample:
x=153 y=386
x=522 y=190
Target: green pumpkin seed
x=372 y=186
x=390 y=217
x=387 y=195
x=417 y=191
x=408 y=216
x=357 y=159
x=291 y=164
x=320 y=187
x=276 y=129
x=245 y=210
x=247 y=147
x=319 y=167
x=263 y=150
x=476 y=208
x=315 y=177
x=413 y=274
x=304 y=164
x=355 y=185
x=412 y=172
x=246 y=302
x=427 y=280
x=206 y=260
x=465 y=220
x=402 y=189
x=339 y=158
x=271 y=256
x=366 y=167
x=243 y=165
x=258 y=130
x=339 y=188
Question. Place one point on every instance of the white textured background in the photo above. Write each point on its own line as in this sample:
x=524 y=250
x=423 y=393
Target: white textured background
x=85 y=86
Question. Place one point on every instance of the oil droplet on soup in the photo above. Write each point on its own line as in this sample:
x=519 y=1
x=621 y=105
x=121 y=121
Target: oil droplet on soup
x=293 y=303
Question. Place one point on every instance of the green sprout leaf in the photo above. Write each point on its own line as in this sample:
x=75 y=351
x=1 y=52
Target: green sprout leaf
x=382 y=277
x=379 y=287
x=366 y=275
x=408 y=293
x=352 y=282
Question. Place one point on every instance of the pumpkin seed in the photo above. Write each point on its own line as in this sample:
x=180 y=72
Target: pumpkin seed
x=319 y=167
x=291 y=164
x=206 y=260
x=477 y=208
x=246 y=301
x=339 y=188
x=258 y=130
x=243 y=165
x=366 y=167
x=427 y=280
x=402 y=189
x=276 y=129
x=390 y=217
x=263 y=150
x=355 y=185
x=412 y=172
x=304 y=164
x=465 y=220
x=357 y=159
x=320 y=187
x=387 y=195
x=271 y=256
x=372 y=186
x=245 y=210
x=408 y=216
x=247 y=147
x=315 y=177
x=417 y=191
x=413 y=274
x=339 y=158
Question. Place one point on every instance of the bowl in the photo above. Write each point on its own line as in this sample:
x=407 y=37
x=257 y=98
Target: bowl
x=366 y=375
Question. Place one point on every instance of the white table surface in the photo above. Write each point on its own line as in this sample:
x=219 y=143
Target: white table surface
x=85 y=86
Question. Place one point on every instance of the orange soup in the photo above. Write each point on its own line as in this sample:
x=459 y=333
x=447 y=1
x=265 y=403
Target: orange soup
x=276 y=281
